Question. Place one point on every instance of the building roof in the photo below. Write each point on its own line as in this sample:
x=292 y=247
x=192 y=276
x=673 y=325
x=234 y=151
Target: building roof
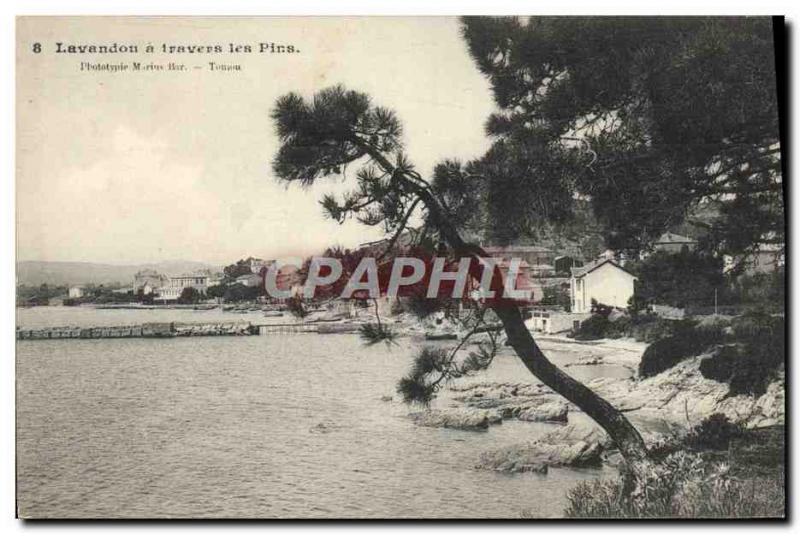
x=580 y=272
x=405 y=239
x=518 y=248
x=668 y=238
x=190 y=275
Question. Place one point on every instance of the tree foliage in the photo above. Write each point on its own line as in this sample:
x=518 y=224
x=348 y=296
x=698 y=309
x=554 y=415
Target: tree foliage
x=189 y=295
x=681 y=279
x=234 y=270
x=647 y=118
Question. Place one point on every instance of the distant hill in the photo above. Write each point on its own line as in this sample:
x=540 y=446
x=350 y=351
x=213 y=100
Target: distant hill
x=73 y=272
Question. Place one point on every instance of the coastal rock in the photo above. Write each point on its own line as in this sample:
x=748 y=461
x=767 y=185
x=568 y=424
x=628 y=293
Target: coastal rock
x=568 y=446
x=526 y=402
x=458 y=419
x=681 y=395
x=501 y=395
x=591 y=359
x=550 y=411
x=576 y=433
x=539 y=455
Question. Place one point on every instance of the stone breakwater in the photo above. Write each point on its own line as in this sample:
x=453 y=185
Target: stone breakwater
x=150 y=330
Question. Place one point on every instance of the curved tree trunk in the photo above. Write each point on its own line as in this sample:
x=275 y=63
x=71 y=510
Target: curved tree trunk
x=620 y=430
x=626 y=437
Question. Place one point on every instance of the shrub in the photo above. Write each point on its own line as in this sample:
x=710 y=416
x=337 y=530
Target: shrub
x=687 y=340
x=649 y=327
x=721 y=365
x=295 y=306
x=749 y=364
x=594 y=327
x=664 y=354
x=598 y=308
x=682 y=486
x=189 y=295
x=714 y=432
x=763 y=290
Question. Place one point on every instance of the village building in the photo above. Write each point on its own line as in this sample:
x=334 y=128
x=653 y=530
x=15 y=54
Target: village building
x=540 y=260
x=176 y=285
x=149 y=289
x=554 y=320
x=603 y=281
x=765 y=259
x=147 y=281
x=674 y=243
x=76 y=292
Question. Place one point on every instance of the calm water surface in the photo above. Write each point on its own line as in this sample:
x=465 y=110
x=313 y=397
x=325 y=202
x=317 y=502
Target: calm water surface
x=260 y=426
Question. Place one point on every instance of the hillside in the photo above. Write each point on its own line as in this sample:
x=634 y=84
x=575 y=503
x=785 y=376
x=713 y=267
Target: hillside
x=70 y=273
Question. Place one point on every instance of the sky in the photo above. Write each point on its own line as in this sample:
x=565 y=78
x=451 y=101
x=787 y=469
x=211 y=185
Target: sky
x=135 y=167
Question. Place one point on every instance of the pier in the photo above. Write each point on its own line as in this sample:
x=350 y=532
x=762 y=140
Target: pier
x=149 y=330
x=174 y=329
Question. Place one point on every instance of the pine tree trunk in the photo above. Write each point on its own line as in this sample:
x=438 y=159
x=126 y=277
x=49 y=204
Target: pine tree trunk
x=620 y=430
x=625 y=436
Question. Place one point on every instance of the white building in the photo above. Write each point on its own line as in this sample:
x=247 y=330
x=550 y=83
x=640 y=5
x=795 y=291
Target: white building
x=764 y=260
x=76 y=292
x=554 y=321
x=177 y=284
x=604 y=281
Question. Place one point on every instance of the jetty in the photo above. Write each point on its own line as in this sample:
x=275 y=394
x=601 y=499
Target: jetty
x=176 y=329
x=150 y=330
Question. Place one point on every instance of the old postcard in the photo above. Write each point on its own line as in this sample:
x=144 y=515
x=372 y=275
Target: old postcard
x=400 y=267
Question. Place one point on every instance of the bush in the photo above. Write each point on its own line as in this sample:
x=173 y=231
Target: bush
x=686 y=341
x=682 y=486
x=721 y=365
x=664 y=354
x=714 y=432
x=294 y=305
x=594 y=327
x=752 y=362
x=763 y=290
x=649 y=327
x=189 y=295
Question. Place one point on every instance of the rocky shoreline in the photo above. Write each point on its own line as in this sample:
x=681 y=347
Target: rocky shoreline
x=663 y=408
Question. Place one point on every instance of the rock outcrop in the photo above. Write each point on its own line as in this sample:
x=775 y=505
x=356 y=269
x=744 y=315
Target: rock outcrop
x=569 y=446
x=527 y=402
x=458 y=419
x=682 y=395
